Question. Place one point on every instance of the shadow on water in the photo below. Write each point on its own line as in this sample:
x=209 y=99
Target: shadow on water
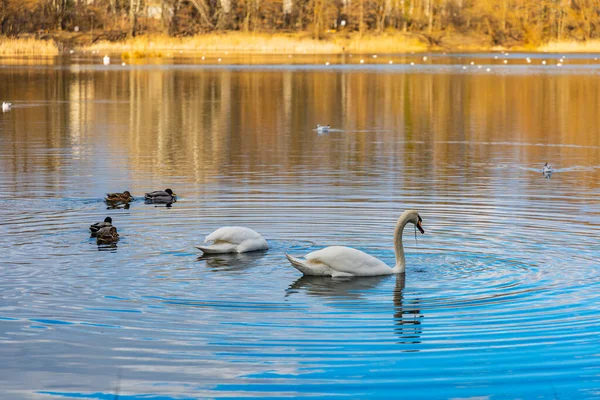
x=232 y=261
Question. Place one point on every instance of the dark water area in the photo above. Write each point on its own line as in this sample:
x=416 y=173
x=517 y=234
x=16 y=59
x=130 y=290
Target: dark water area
x=501 y=295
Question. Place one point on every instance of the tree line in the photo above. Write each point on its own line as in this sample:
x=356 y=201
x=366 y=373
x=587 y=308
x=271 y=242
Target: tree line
x=502 y=21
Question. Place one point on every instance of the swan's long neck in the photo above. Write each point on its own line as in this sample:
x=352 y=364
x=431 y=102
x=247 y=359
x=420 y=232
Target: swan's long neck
x=398 y=246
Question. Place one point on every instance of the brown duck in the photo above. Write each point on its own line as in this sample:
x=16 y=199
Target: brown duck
x=124 y=197
x=107 y=235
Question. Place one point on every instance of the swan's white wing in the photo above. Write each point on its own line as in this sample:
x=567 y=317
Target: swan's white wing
x=232 y=234
x=346 y=261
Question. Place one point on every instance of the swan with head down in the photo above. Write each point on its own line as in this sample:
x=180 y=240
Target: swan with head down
x=233 y=239
x=341 y=261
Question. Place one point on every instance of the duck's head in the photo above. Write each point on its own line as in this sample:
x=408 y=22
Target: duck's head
x=170 y=192
x=126 y=193
x=108 y=219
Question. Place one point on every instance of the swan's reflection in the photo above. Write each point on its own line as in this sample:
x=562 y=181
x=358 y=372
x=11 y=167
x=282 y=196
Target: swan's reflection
x=232 y=261
x=347 y=288
x=407 y=313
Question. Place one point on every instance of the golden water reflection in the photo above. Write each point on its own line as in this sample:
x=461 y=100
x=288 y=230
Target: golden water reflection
x=206 y=123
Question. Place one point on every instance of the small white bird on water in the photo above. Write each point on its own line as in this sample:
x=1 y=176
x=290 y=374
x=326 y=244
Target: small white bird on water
x=106 y=60
x=323 y=128
x=6 y=106
x=547 y=169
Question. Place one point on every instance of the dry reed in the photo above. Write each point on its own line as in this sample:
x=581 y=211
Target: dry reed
x=27 y=47
x=241 y=43
x=565 y=46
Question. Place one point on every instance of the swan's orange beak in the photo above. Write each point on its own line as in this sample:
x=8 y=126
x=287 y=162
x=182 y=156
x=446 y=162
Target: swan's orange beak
x=419 y=226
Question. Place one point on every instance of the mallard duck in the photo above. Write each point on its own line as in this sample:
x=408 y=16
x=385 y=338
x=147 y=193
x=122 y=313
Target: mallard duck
x=124 y=197
x=94 y=228
x=167 y=196
x=107 y=235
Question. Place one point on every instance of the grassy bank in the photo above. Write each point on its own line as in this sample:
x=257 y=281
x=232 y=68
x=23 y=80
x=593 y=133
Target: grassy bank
x=591 y=46
x=149 y=46
x=242 y=43
x=27 y=47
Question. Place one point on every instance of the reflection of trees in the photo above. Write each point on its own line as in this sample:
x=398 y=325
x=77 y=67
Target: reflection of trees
x=406 y=316
x=204 y=124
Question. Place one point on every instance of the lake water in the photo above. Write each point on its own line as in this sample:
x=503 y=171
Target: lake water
x=501 y=297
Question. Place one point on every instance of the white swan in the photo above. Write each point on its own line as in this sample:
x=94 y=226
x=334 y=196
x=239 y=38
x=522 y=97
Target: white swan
x=340 y=261
x=233 y=239
x=6 y=106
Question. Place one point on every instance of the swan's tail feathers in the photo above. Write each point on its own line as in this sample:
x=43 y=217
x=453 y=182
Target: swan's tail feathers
x=301 y=266
x=217 y=248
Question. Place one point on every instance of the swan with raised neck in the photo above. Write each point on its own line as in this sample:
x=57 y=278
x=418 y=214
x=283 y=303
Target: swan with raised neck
x=340 y=261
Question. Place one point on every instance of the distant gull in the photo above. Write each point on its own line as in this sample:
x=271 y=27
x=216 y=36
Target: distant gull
x=6 y=106
x=106 y=60
x=547 y=170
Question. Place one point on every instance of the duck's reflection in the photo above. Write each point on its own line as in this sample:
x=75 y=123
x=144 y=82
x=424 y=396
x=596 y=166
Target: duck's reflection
x=117 y=206
x=232 y=261
x=407 y=313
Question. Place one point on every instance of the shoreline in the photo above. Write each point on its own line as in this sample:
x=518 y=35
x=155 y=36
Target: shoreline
x=237 y=43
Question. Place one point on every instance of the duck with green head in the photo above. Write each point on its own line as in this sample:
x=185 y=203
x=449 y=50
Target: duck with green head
x=94 y=228
x=161 y=197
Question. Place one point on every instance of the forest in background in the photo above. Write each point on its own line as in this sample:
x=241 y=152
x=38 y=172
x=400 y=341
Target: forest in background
x=500 y=22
